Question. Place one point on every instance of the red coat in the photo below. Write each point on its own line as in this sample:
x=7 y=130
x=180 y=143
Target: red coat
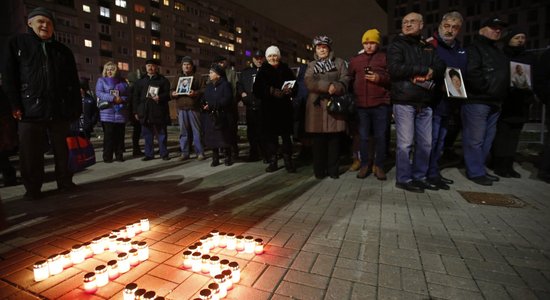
x=370 y=94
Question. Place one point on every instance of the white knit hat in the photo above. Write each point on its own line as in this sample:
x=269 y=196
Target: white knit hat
x=272 y=50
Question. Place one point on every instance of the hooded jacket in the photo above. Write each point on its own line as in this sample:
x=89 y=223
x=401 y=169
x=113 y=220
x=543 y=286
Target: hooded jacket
x=41 y=79
x=410 y=56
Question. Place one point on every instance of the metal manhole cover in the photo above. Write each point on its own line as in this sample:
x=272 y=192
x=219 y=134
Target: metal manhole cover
x=505 y=200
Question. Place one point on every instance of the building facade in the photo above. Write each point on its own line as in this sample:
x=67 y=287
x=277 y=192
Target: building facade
x=128 y=32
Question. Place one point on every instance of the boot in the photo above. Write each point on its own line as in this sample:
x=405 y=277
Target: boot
x=379 y=173
x=272 y=165
x=499 y=167
x=356 y=165
x=510 y=167
x=215 y=157
x=289 y=164
x=228 y=160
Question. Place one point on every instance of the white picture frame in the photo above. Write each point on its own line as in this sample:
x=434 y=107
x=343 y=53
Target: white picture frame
x=454 y=83
x=152 y=91
x=520 y=76
x=184 y=85
x=289 y=84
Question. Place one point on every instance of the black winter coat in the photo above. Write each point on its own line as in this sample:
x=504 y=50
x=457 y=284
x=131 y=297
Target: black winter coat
x=488 y=75
x=246 y=84
x=277 y=113
x=41 y=79
x=149 y=111
x=216 y=120
x=410 y=56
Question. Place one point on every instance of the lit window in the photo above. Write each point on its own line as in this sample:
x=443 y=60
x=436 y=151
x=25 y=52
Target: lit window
x=179 y=6
x=239 y=40
x=121 y=19
x=155 y=26
x=155 y=41
x=239 y=29
x=140 y=23
x=86 y=8
x=104 y=12
x=156 y=55
x=141 y=53
x=88 y=43
x=298 y=60
x=167 y=44
x=139 y=8
x=304 y=61
x=214 y=19
x=121 y=3
x=123 y=66
x=166 y=2
x=230 y=47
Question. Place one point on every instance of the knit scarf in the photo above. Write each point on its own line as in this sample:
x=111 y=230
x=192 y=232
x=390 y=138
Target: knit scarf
x=324 y=66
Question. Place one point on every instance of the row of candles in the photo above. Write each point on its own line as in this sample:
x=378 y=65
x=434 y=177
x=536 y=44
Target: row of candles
x=118 y=241
x=132 y=292
x=214 y=239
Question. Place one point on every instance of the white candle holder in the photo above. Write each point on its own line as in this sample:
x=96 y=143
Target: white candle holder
x=90 y=285
x=55 y=264
x=101 y=276
x=41 y=270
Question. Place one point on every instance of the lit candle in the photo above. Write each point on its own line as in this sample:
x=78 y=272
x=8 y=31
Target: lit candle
x=97 y=246
x=55 y=264
x=222 y=240
x=149 y=295
x=259 y=246
x=101 y=275
x=193 y=248
x=220 y=280
x=112 y=269
x=123 y=263
x=187 y=260
x=205 y=245
x=119 y=244
x=205 y=267
x=126 y=245
x=116 y=232
x=133 y=257
x=206 y=294
x=203 y=250
x=105 y=241
x=215 y=266
x=130 y=231
x=122 y=232
x=134 y=244
x=215 y=238
x=138 y=294
x=144 y=224
x=215 y=289
x=224 y=264
x=210 y=240
x=249 y=244
x=137 y=227
x=77 y=254
x=230 y=241
x=228 y=279
x=129 y=291
x=112 y=243
x=240 y=243
x=41 y=270
x=90 y=282
x=197 y=263
x=66 y=259
x=143 y=251
x=235 y=271
x=88 y=252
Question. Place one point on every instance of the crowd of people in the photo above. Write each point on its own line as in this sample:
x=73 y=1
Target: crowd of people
x=404 y=82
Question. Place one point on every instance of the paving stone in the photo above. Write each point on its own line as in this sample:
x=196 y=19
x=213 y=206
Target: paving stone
x=452 y=281
x=355 y=275
x=388 y=293
x=339 y=289
x=304 y=261
x=299 y=291
x=432 y=262
x=493 y=291
x=313 y=280
x=269 y=280
x=363 y=291
x=413 y=281
x=389 y=276
x=447 y=292
x=534 y=278
x=253 y=270
x=455 y=266
x=323 y=265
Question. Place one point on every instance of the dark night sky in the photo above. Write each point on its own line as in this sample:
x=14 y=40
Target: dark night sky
x=344 y=21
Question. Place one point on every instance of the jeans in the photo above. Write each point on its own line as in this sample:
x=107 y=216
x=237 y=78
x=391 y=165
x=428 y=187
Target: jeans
x=149 y=131
x=439 y=132
x=412 y=125
x=375 y=120
x=478 y=132
x=189 y=122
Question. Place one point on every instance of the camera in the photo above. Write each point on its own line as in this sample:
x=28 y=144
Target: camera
x=367 y=70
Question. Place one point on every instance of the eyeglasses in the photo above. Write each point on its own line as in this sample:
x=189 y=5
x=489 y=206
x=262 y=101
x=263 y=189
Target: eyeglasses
x=414 y=21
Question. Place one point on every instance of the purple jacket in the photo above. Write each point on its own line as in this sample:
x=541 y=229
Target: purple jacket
x=104 y=89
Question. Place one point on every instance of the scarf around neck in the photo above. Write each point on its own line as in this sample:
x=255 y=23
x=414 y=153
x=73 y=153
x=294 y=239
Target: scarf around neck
x=324 y=66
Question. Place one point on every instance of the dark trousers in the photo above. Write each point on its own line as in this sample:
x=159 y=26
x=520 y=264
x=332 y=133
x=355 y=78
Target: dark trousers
x=136 y=135
x=272 y=143
x=326 y=151
x=505 y=145
x=113 y=141
x=8 y=171
x=253 y=133
x=32 y=157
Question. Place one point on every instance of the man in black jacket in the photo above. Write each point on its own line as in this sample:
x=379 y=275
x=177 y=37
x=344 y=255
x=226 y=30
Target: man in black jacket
x=414 y=70
x=487 y=81
x=42 y=84
x=151 y=95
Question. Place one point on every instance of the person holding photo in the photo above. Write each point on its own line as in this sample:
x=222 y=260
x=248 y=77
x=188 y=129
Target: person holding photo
x=112 y=89
x=515 y=106
x=455 y=87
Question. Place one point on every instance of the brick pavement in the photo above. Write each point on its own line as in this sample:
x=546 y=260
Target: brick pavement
x=326 y=239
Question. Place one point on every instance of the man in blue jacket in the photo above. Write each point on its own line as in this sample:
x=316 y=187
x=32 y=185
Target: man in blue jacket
x=41 y=82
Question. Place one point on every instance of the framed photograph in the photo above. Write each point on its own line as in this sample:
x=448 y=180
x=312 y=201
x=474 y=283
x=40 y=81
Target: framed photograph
x=152 y=91
x=288 y=84
x=184 y=85
x=115 y=93
x=454 y=83
x=520 y=75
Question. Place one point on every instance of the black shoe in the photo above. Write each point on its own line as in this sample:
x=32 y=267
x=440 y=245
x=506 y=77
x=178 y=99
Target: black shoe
x=147 y=158
x=425 y=185
x=446 y=180
x=67 y=187
x=137 y=153
x=107 y=161
x=272 y=168
x=409 y=186
x=215 y=163
x=492 y=177
x=335 y=176
x=228 y=162
x=502 y=173
x=33 y=196
x=482 y=180
x=166 y=157
x=438 y=182
x=514 y=174
x=119 y=158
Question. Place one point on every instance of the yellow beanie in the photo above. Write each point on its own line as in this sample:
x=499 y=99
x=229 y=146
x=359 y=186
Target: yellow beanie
x=371 y=35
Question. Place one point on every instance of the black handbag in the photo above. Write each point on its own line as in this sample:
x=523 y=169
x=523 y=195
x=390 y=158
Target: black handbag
x=343 y=104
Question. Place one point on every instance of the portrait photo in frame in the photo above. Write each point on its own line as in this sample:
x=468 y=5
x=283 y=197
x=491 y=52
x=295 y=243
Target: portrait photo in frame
x=454 y=83
x=184 y=85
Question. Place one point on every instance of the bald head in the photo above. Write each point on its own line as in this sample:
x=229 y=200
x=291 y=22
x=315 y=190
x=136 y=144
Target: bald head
x=412 y=24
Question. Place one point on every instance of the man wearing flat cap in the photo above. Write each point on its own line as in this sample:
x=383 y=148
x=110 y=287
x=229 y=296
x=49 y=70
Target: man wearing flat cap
x=253 y=117
x=487 y=81
x=41 y=82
